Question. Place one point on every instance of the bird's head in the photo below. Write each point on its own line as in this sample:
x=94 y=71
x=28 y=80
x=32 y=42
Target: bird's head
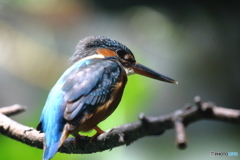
x=103 y=47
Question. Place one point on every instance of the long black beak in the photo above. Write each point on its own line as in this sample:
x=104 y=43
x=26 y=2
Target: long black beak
x=145 y=71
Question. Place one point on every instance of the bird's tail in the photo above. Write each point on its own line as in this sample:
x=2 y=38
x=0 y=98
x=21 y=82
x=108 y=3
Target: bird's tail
x=52 y=122
x=50 y=151
x=52 y=137
x=52 y=144
x=52 y=140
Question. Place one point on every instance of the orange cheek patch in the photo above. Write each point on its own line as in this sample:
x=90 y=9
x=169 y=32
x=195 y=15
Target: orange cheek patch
x=106 y=52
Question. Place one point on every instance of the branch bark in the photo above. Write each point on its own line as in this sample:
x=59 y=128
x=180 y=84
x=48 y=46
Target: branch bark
x=127 y=133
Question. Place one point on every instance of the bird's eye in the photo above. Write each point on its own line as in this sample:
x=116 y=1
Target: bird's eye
x=121 y=53
x=125 y=56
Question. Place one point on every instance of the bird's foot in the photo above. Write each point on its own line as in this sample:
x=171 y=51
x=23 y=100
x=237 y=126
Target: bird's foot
x=77 y=138
x=99 y=131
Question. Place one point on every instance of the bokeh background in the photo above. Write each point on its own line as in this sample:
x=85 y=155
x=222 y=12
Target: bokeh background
x=196 y=43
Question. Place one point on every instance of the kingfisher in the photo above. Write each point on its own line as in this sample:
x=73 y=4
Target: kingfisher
x=89 y=91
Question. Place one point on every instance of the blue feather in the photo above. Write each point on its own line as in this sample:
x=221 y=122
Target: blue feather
x=52 y=121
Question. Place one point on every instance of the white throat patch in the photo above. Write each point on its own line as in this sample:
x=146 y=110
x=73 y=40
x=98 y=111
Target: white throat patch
x=129 y=71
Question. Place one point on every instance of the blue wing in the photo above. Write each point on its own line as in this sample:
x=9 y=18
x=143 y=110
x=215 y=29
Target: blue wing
x=83 y=87
x=90 y=88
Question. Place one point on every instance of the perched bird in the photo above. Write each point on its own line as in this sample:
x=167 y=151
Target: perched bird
x=89 y=91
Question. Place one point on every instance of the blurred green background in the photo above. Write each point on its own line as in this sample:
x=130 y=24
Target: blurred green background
x=196 y=43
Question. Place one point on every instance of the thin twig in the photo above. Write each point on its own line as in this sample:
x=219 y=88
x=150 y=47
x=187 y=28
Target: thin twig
x=12 y=110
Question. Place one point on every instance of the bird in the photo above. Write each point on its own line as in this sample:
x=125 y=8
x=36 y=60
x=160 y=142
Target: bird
x=89 y=90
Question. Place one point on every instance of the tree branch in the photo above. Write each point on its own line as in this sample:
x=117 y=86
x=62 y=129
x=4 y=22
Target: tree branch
x=12 y=110
x=127 y=133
